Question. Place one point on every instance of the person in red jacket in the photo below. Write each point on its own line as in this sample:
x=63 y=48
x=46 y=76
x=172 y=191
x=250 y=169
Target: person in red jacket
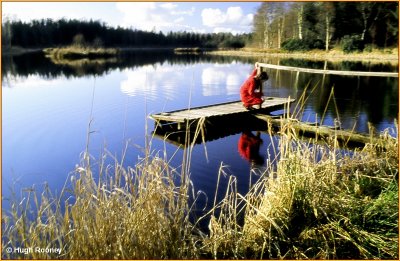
x=251 y=90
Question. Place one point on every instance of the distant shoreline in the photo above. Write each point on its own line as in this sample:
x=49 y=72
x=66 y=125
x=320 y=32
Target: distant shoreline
x=390 y=55
x=387 y=55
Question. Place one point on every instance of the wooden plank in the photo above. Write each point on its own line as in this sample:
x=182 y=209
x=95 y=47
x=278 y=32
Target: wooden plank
x=215 y=110
x=333 y=72
x=323 y=131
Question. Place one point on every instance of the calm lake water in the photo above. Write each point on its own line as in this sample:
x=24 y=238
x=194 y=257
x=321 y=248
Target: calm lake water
x=47 y=107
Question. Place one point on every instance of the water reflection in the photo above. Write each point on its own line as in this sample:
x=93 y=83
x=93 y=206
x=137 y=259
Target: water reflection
x=343 y=97
x=221 y=79
x=37 y=63
x=249 y=147
x=341 y=65
x=152 y=82
x=355 y=100
x=153 y=74
x=157 y=80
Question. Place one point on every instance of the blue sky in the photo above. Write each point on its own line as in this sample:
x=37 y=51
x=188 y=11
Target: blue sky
x=235 y=17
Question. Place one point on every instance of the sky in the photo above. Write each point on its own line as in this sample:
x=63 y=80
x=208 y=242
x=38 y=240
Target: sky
x=201 y=17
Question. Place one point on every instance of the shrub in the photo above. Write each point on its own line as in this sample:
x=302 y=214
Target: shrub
x=302 y=45
x=318 y=44
x=368 y=48
x=352 y=43
x=232 y=43
x=295 y=45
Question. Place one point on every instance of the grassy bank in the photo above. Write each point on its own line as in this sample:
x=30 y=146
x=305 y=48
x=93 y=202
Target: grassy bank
x=376 y=55
x=76 y=52
x=323 y=204
x=387 y=55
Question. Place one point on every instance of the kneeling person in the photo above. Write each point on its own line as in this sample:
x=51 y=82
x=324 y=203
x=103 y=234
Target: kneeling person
x=251 y=90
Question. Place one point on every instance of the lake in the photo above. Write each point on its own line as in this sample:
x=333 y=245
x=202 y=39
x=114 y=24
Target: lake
x=47 y=109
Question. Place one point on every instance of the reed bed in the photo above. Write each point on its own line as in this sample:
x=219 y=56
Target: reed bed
x=312 y=202
x=324 y=204
x=126 y=213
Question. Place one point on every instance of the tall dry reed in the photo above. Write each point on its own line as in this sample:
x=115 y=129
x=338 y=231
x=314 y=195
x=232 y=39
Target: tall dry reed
x=138 y=212
x=324 y=204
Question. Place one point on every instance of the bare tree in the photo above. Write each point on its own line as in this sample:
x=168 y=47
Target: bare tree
x=298 y=8
x=269 y=24
x=327 y=14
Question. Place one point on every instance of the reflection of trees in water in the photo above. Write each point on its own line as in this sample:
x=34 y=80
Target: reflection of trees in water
x=373 y=97
x=340 y=65
x=37 y=63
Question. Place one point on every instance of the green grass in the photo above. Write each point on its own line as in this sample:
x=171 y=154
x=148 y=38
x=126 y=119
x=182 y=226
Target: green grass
x=322 y=205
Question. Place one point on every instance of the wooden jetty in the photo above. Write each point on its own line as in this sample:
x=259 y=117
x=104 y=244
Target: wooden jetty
x=333 y=72
x=205 y=131
x=180 y=117
x=221 y=120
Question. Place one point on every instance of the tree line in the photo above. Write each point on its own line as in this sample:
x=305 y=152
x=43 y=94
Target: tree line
x=289 y=25
x=324 y=25
x=50 y=33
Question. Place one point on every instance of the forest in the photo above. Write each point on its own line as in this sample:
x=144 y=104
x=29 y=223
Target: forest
x=350 y=26
x=325 y=25
x=49 y=33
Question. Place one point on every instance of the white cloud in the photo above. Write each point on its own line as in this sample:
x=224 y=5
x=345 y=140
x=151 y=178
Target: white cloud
x=226 y=21
x=168 y=6
x=161 y=16
x=212 y=17
x=234 y=14
x=137 y=14
x=154 y=16
x=249 y=19
x=215 y=17
x=189 y=12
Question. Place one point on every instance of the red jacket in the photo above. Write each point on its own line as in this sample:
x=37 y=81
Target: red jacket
x=247 y=91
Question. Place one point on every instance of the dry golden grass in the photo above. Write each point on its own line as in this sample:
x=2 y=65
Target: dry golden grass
x=323 y=205
x=387 y=55
x=76 y=52
x=133 y=213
